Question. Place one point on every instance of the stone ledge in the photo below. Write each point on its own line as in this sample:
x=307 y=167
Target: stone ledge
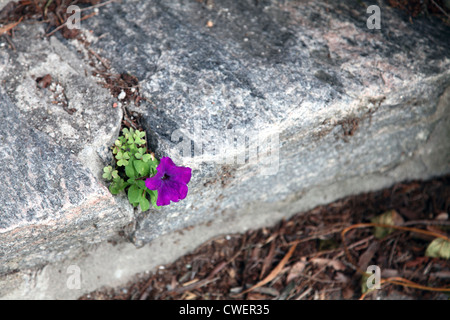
x=354 y=109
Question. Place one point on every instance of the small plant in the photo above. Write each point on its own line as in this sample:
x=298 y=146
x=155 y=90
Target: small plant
x=142 y=176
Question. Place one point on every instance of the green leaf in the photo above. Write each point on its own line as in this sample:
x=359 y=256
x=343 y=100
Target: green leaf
x=107 y=173
x=139 y=137
x=139 y=134
x=117 y=186
x=146 y=157
x=139 y=153
x=129 y=170
x=113 y=189
x=153 y=197
x=134 y=194
x=144 y=203
x=141 y=167
x=439 y=248
x=139 y=142
x=115 y=174
x=390 y=218
x=364 y=278
x=141 y=184
x=153 y=164
x=122 y=158
x=126 y=133
x=122 y=155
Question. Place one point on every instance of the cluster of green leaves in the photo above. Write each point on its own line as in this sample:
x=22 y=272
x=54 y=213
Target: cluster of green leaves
x=133 y=165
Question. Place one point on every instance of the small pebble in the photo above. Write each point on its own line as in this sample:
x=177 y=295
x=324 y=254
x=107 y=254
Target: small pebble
x=122 y=95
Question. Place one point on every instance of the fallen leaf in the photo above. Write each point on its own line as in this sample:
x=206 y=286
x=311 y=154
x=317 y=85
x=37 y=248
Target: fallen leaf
x=391 y=218
x=295 y=271
x=188 y=296
x=256 y=296
x=267 y=291
x=365 y=258
x=442 y=216
x=287 y=291
x=275 y=271
x=9 y=26
x=268 y=259
x=342 y=278
x=189 y=282
x=439 y=248
x=335 y=264
x=44 y=81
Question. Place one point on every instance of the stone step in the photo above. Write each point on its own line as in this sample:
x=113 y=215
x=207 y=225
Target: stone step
x=276 y=106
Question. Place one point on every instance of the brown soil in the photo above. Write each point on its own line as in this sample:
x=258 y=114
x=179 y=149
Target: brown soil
x=304 y=257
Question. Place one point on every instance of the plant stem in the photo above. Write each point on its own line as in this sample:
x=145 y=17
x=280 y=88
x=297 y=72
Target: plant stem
x=141 y=178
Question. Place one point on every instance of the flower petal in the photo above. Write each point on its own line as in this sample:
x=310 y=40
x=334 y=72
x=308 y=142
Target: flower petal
x=153 y=183
x=163 y=198
x=183 y=191
x=180 y=174
x=166 y=192
x=164 y=164
x=174 y=186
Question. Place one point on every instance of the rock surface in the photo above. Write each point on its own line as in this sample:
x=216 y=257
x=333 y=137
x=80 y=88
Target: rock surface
x=344 y=101
x=49 y=200
x=330 y=107
x=53 y=204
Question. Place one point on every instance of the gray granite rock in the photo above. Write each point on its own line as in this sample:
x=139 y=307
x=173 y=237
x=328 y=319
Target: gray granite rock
x=342 y=109
x=343 y=101
x=51 y=204
x=54 y=204
x=3 y=3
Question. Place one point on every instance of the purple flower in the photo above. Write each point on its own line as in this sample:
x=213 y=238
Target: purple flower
x=170 y=181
